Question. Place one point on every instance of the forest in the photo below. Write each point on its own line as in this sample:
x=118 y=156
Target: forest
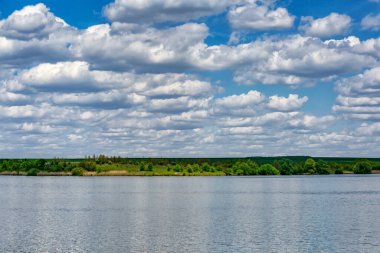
x=102 y=165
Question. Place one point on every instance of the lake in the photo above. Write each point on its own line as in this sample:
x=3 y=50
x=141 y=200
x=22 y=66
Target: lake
x=190 y=214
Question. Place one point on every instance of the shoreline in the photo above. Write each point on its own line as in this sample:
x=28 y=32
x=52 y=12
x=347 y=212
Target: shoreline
x=142 y=174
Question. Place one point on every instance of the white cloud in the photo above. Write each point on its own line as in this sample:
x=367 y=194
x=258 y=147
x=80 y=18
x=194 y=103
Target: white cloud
x=121 y=47
x=113 y=99
x=252 y=16
x=141 y=109
x=310 y=121
x=368 y=129
x=369 y=47
x=163 y=10
x=185 y=88
x=371 y=22
x=70 y=76
x=36 y=128
x=112 y=90
x=367 y=83
x=32 y=21
x=359 y=95
x=291 y=60
x=291 y=103
x=120 y=88
x=331 y=25
x=24 y=111
x=12 y=97
x=301 y=60
x=244 y=100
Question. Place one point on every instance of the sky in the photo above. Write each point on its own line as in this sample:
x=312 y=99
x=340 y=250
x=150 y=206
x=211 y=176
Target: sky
x=201 y=78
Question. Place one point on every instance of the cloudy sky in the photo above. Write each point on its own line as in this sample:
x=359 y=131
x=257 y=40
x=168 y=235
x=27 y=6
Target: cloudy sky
x=200 y=78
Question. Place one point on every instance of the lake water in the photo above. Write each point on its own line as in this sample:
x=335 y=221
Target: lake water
x=190 y=214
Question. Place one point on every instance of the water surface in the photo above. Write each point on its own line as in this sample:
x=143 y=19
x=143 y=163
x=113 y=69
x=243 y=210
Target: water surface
x=190 y=214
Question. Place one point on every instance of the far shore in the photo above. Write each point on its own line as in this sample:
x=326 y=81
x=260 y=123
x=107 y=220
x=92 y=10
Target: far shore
x=138 y=174
x=117 y=166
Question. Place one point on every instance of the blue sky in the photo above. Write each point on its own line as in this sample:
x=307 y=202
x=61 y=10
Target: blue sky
x=202 y=78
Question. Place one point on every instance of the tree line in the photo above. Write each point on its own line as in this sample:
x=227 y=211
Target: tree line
x=192 y=166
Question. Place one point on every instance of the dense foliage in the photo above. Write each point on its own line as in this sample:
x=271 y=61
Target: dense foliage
x=189 y=166
x=362 y=167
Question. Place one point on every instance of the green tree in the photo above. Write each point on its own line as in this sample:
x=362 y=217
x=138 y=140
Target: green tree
x=252 y=168
x=40 y=164
x=178 y=168
x=196 y=168
x=268 y=169
x=338 y=170
x=77 y=171
x=363 y=167
x=322 y=167
x=310 y=166
x=206 y=167
x=142 y=167
x=286 y=167
x=150 y=167
x=245 y=168
x=87 y=165
x=32 y=172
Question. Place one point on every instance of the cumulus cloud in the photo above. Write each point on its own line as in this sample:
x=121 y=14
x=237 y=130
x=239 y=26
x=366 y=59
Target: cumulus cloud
x=300 y=60
x=111 y=90
x=367 y=83
x=33 y=35
x=163 y=10
x=359 y=95
x=12 y=98
x=331 y=25
x=123 y=47
x=139 y=109
x=253 y=16
x=243 y=100
x=371 y=22
x=113 y=99
x=70 y=76
x=239 y=105
x=136 y=89
x=32 y=21
x=368 y=129
x=292 y=102
x=291 y=60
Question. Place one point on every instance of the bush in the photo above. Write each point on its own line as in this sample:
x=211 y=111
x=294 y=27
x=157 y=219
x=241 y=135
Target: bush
x=90 y=166
x=376 y=166
x=310 y=166
x=286 y=167
x=32 y=172
x=77 y=171
x=339 y=170
x=322 y=167
x=363 y=167
x=268 y=169
x=178 y=168
x=150 y=167
x=245 y=168
x=190 y=169
x=206 y=167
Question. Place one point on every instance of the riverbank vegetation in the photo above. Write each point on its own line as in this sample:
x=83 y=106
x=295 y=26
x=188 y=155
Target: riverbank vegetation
x=117 y=166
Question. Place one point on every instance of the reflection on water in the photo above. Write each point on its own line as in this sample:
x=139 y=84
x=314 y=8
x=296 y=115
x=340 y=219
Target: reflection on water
x=190 y=214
